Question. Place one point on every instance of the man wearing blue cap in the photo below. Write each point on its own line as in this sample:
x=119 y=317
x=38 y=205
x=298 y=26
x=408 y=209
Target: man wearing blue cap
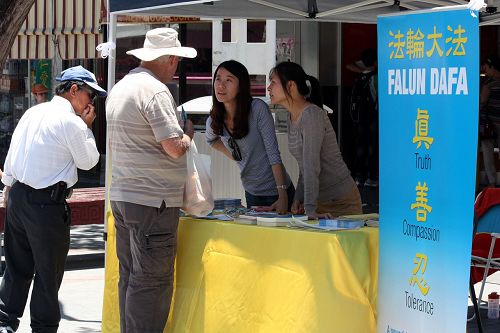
x=50 y=142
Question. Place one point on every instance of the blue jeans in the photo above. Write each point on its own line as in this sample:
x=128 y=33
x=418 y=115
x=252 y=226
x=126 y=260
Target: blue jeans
x=268 y=200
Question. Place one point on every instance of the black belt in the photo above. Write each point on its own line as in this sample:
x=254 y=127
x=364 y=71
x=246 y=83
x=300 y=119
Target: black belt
x=57 y=192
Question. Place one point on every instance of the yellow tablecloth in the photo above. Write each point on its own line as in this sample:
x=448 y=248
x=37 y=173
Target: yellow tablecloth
x=239 y=278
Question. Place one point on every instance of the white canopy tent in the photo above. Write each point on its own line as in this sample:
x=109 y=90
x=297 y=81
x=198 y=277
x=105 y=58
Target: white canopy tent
x=352 y=11
x=346 y=11
x=321 y=10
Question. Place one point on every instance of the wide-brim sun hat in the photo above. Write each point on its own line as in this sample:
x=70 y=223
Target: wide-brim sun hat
x=78 y=73
x=160 y=42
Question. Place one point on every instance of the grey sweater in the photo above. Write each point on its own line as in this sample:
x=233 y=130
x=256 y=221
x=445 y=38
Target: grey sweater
x=323 y=174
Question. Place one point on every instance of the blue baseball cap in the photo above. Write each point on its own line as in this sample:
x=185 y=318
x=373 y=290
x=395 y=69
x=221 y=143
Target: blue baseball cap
x=78 y=73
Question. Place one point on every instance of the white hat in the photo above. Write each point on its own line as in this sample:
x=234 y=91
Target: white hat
x=160 y=42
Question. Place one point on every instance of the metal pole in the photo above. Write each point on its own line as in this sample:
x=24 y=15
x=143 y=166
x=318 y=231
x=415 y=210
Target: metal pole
x=111 y=83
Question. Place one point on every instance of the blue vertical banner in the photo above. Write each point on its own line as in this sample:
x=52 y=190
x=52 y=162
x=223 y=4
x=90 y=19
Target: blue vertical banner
x=428 y=102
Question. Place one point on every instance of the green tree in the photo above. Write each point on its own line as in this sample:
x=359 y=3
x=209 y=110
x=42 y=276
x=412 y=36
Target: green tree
x=12 y=15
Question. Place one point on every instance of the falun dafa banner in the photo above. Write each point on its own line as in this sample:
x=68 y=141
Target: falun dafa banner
x=428 y=104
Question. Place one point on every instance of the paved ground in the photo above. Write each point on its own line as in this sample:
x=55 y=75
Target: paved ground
x=86 y=247
x=80 y=299
x=489 y=325
x=80 y=296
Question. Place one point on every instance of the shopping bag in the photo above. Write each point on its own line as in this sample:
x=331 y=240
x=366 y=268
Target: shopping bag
x=198 y=198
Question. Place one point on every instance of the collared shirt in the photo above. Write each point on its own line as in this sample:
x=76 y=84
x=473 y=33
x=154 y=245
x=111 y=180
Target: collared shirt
x=140 y=113
x=48 y=145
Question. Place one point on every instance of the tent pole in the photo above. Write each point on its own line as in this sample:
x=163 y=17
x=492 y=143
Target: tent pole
x=111 y=83
x=112 y=55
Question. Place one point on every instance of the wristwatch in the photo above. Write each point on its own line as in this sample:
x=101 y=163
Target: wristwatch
x=281 y=187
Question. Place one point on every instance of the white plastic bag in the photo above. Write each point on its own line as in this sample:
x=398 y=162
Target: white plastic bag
x=198 y=198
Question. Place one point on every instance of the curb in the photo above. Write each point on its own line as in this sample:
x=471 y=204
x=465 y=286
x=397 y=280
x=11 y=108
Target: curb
x=85 y=260
x=75 y=261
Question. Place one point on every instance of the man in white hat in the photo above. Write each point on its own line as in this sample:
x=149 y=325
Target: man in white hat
x=148 y=174
x=50 y=142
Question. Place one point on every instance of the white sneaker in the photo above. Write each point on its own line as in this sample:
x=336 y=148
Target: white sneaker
x=6 y=329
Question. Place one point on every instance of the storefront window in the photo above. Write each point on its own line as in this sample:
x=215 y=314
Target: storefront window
x=25 y=83
x=197 y=71
x=13 y=101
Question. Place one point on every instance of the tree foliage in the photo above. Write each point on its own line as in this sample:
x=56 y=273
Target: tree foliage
x=12 y=15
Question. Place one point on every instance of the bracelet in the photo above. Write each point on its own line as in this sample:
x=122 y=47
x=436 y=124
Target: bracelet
x=281 y=187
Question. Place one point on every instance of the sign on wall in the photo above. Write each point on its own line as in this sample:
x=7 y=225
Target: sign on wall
x=428 y=95
x=42 y=72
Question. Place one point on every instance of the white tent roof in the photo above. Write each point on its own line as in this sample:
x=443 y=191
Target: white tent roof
x=320 y=10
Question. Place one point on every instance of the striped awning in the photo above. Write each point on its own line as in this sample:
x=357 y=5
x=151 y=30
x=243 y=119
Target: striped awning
x=69 y=28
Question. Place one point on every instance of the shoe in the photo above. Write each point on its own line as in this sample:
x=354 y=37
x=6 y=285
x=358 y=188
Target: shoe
x=371 y=183
x=6 y=329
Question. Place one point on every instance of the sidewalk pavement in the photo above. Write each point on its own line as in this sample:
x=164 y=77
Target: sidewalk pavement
x=489 y=325
x=86 y=247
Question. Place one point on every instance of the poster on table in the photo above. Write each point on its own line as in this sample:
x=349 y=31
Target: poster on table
x=428 y=114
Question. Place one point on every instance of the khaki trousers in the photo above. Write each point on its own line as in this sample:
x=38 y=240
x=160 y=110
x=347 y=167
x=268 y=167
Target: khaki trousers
x=349 y=204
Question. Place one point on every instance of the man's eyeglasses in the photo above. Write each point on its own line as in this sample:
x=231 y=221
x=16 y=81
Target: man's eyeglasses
x=235 y=150
x=92 y=94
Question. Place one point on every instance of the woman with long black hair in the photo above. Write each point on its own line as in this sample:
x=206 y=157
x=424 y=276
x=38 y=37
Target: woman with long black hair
x=325 y=187
x=242 y=128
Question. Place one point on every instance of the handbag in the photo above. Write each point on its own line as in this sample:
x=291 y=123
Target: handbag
x=486 y=129
x=198 y=197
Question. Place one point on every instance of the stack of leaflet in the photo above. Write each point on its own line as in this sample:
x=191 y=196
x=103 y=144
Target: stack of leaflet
x=219 y=204
x=370 y=220
x=277 y=220
x=329 y=224
x=267 y=219
x=246 y=219
x=227 y=203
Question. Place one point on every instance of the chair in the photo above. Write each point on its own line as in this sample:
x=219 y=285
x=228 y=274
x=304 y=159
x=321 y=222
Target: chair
x=485 y=258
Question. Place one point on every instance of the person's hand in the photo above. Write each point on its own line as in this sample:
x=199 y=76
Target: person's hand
x=6 y=190
x=316 y=216
x=325 y=216
x=88 y=115
x=281 y=205
x=189 y=128
x=297 y=207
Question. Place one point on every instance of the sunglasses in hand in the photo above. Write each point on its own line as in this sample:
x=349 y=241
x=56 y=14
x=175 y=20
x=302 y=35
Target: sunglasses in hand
x=235 y=150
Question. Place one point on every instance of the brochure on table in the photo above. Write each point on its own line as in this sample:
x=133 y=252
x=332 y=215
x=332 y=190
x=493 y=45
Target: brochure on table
x=428 y=114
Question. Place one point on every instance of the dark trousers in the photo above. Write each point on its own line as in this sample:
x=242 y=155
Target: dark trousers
x=146 y=239
x=268 y=200
x=36 y=245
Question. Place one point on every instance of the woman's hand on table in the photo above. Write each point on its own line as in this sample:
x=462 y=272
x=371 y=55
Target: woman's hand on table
x=297 y=207
x=316 y=216
x=281 y=205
